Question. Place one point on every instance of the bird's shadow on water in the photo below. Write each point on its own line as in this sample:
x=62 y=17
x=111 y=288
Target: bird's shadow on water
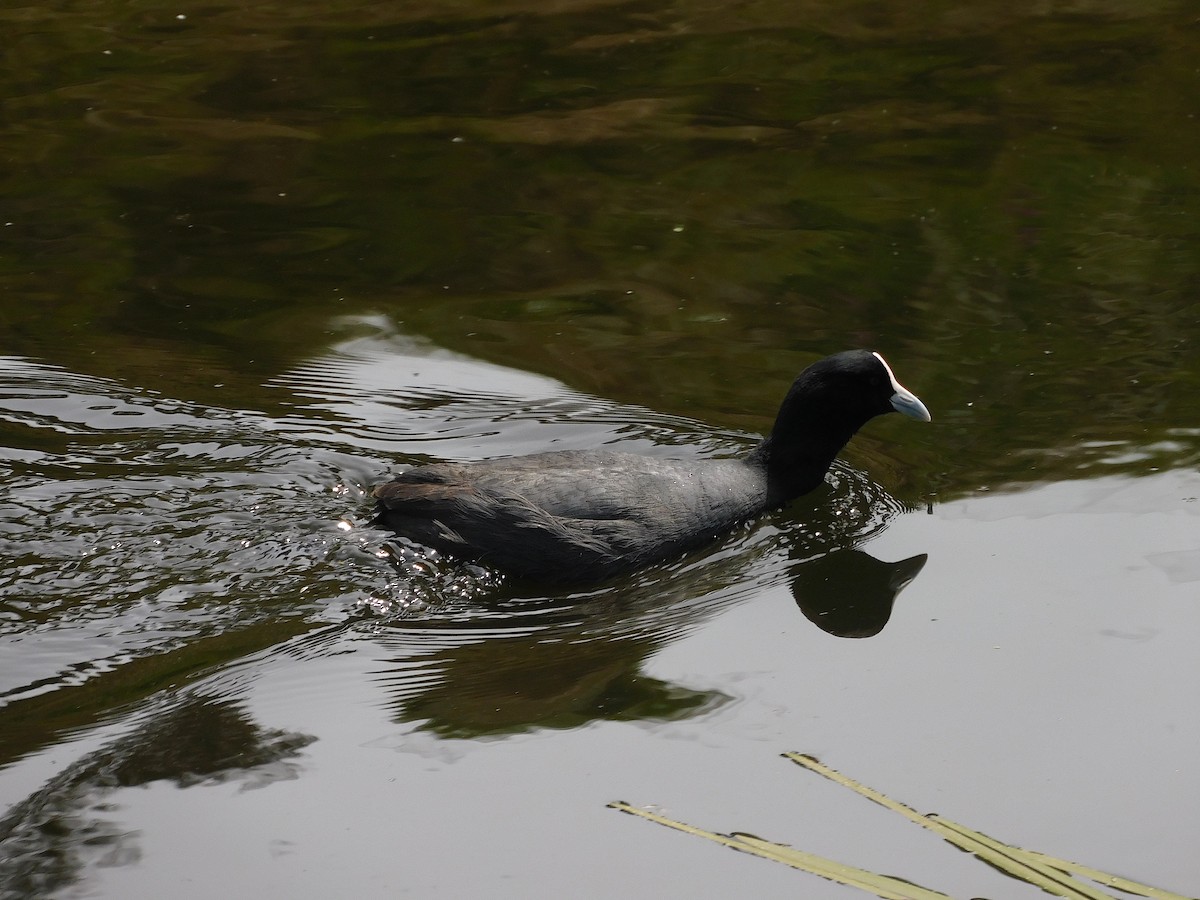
x=513 y=657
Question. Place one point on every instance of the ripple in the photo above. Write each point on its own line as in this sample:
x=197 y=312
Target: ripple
x=122 y=543
x=393 y=394
x=118 y=543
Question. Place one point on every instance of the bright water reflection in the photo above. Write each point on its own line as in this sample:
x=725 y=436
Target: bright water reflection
x=211 y=538
x=183 y=522
x=199 y=535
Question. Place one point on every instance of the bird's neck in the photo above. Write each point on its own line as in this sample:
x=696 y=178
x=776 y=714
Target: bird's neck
x=796 y=460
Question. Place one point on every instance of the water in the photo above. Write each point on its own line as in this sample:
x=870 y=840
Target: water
x=257 y=259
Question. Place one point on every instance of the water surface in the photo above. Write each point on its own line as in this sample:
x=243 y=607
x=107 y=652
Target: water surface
x=256 y=259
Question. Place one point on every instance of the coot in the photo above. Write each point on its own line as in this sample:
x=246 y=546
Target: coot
x=582 y=515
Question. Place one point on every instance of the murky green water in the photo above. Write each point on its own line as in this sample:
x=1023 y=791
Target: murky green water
x=254 y=259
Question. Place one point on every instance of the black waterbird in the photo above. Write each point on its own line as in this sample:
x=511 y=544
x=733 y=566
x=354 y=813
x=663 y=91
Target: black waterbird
x=582 y=515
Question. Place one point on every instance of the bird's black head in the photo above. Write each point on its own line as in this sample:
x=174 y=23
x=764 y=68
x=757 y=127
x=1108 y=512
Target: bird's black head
x=826 y=405
x=853 y=387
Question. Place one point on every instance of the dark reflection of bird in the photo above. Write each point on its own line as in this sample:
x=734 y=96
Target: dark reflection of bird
x=582 y=515
x=515 y=682
x=571 y=661
x=849 y=593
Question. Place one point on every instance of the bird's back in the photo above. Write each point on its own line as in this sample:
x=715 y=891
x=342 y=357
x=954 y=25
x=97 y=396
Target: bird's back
x=574 y=514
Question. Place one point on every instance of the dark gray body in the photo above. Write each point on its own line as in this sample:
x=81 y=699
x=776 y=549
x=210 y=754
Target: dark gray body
x=573 y=515
x=578 y=516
